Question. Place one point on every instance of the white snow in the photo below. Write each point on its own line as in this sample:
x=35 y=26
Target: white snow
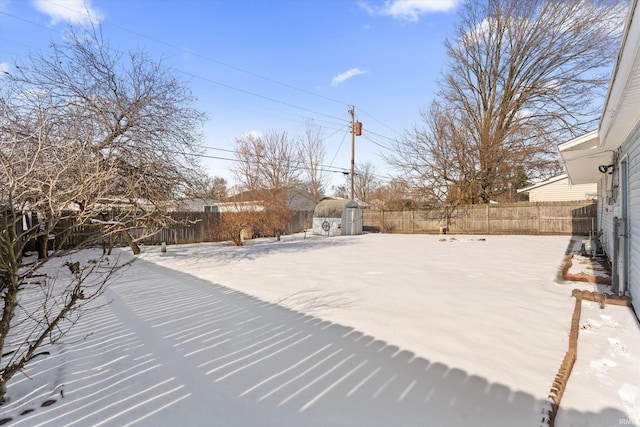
x=372 y=330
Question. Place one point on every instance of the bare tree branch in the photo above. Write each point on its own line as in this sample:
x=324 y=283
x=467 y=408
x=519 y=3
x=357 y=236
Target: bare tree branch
x=88 y=137
x=268 y=167
x=522 y=77
x=313 y=152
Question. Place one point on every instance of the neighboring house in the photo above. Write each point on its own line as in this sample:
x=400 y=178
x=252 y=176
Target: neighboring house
x=245 y=201
x=334 y=217
x=560 y=189
x=235 y=206
x=197 y=205
x=611 y=156
x=297 y=200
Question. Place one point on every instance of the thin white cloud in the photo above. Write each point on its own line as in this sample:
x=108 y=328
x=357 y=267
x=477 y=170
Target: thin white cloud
x=4 y=68
x=70 y=11
x=410 y=10
x=254 y=134
x=346 y=76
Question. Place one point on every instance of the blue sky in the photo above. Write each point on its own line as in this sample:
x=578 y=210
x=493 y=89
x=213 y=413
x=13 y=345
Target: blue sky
x=271 y=64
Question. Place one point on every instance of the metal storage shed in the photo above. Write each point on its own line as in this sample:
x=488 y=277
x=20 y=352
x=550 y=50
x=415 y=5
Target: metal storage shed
x=334 y=217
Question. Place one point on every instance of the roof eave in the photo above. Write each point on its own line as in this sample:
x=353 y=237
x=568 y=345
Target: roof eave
x=622 y=105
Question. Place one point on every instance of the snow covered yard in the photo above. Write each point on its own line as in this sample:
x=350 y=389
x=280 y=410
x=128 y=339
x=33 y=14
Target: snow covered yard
x=372 y=330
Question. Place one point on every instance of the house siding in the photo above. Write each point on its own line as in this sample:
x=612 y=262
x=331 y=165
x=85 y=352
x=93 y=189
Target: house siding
x=606 y=213
x=562 y=190
x=609 y=207
x=632 y=150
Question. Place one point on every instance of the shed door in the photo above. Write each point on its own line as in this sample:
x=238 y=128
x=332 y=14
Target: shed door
x=352 y=222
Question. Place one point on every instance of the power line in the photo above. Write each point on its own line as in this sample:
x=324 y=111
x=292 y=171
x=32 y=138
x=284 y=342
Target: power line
x=248 y=92
x=233 y=67
x=232 y=87
x=261 y=112
x=368 y=138
x=300 y=165
x=194 y=53
x=375 y=120
x=382 y=136
x=209 y=80
x=227 y=150
x=339 y=147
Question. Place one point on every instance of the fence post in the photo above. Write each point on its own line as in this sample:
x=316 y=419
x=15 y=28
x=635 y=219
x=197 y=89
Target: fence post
x=488 y=224
x=413 y=221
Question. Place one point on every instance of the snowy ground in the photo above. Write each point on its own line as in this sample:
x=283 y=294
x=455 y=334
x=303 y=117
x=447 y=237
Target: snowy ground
x=372 y=330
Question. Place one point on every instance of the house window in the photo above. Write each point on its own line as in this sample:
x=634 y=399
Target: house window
x=212 y=208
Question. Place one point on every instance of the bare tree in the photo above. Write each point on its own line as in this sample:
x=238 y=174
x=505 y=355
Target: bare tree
x=234 y=224
x=249 y=152
x=312 y=152
x=269 y=168
x=88 y=137
x=396 y=195
x=239 y=217
x=210 y=188
x=522 y=77
x=365 y=183
x=438 y=161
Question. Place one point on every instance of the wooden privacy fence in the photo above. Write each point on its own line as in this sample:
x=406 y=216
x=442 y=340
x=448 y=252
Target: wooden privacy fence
x=190 y=227
x=301 y=220
x=505 y=218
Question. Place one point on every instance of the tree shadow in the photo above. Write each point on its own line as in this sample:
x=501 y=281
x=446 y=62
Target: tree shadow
x=223 y=253
x=177 y=349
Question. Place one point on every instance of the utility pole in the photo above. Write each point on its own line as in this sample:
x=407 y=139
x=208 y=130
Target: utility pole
x=353 y=149
x=356 y=130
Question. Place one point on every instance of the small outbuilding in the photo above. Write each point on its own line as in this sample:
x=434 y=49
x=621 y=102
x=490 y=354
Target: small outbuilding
x=559 y=189
x=335 y=217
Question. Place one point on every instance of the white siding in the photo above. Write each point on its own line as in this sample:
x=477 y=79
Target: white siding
x=606 y=212
x=609 y=208
x=562 y=190
x=632 y=149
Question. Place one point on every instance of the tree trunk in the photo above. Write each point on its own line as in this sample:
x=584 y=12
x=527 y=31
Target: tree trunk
x=41 y=246
x=132 y=244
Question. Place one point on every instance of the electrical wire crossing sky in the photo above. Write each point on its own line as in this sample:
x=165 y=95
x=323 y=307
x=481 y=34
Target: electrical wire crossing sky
x=259 y=65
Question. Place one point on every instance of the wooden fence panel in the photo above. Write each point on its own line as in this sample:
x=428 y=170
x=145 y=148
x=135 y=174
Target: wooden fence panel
x=470 y=219
x=509 y=218
x=513 y=219
x=372 y=220
x=189 y=227
x=425 y=221
x=301 y=220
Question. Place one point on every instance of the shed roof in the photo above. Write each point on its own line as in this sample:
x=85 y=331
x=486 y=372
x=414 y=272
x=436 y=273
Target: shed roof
x=543 y=183
x=333 y=208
